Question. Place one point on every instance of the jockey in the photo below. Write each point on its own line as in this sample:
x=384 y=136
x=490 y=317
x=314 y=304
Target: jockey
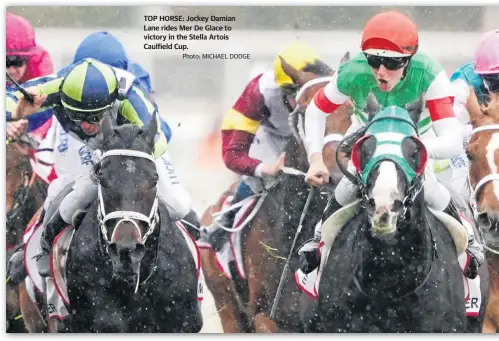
x=107 y=49
x=391 y=69
x=80 y=95
x=255 y=129
x=26 y=60
x=482 y=74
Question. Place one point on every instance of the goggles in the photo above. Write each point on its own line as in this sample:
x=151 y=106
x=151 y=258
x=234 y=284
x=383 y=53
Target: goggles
x=390 y=63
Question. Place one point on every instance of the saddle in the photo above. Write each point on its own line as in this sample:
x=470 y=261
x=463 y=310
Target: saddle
x=334 y=224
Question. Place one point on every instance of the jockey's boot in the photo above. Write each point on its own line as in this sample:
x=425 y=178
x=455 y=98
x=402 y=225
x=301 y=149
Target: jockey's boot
x=310 y=257
x=474 y=250
x=54 y=226
x=192 y=219
x=16 y=271
x=218 y=237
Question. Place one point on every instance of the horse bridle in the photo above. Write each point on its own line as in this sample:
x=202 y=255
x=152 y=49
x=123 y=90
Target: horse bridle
x=127 y=216
x=484 y=180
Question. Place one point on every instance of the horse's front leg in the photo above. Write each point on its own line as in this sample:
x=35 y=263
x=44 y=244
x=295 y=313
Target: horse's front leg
x=254 y=257
x=223 y=293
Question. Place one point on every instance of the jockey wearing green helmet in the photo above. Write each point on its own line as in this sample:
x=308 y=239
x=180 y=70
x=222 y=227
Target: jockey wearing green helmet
x=81 y=95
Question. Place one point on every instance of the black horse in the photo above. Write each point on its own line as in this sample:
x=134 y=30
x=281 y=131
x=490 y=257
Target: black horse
x=129 y=268
x=393 y=266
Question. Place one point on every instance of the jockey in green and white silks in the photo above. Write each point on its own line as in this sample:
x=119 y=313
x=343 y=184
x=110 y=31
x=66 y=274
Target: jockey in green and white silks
x=392 y=71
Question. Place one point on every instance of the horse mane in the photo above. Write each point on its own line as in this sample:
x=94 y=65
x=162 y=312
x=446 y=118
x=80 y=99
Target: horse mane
x=478 y=112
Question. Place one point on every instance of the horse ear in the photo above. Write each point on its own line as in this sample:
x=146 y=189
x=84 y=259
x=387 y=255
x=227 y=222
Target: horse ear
x=345 y=58
x=492 y=109
x=474 y=109
x=150 y=129
x=107 y=126
x=293 y=73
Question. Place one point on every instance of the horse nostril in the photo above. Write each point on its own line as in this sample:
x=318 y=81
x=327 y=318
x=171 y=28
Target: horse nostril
x=138 y=253
x=398 y=206
x=112 y=249
x=484 y=220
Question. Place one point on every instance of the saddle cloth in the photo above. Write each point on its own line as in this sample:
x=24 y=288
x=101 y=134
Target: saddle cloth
x=309 y=284
x=232 y=251
x=57 y=296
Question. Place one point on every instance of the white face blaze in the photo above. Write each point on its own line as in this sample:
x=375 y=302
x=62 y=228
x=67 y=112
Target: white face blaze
x=384 y=193
x=491 y=149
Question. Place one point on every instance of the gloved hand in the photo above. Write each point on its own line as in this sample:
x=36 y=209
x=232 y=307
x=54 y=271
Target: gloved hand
x=471 y=269
x=309 y=261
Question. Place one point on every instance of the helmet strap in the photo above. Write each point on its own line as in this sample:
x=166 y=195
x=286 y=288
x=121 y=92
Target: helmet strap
x=406 y=68
x=121 y=89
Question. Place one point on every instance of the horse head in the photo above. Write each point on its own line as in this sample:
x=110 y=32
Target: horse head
x=127 y=193
x=389 y=161
x=483 y=155
x=24 y=191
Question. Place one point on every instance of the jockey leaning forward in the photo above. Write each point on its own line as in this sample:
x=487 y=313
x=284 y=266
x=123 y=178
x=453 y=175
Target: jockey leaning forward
x=391 y=69
x=483 y=76
x=255 y=129
x=106 y=48
x=25 y=60
x=80 y=95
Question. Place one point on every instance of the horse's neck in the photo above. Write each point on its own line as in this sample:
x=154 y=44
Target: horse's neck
x=405 y=261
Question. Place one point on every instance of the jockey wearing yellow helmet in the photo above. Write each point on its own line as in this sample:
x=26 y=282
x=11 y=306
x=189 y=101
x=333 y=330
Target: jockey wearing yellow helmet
x=262 y=110
x=81 y=95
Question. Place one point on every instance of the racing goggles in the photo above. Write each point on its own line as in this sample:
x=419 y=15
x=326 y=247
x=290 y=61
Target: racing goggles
x=16 y=61
x=491 y=82
x=390 y=63
x=85 y=116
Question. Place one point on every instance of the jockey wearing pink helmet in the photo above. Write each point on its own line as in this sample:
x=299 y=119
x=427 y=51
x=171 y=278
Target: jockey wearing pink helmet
x=486 y=60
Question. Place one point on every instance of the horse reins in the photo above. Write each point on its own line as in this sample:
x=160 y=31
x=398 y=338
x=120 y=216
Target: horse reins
x=486 y=179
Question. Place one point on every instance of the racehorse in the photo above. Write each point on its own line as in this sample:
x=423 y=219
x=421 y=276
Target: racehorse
x=483 y=156
x=25 y=190
x=25 y=193
x=129 y=267
x=389 y=263
x=244 y=306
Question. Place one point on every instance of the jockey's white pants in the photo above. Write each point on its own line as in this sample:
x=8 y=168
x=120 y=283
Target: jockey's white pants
x=73 y=162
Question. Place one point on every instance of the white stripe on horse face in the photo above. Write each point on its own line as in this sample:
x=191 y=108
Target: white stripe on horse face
x=491 y=148
x=385 y=190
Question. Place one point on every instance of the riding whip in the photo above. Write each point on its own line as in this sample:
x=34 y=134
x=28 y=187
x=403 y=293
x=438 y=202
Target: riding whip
x=286 y=266
x=27 y=95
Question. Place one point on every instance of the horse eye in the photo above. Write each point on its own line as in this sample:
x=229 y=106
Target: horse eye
x=370 y=205
x=469 y=156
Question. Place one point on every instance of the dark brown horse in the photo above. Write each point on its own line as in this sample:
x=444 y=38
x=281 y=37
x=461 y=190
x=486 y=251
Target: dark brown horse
x=25 y=193
x=244 y=306
x=483 y=154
